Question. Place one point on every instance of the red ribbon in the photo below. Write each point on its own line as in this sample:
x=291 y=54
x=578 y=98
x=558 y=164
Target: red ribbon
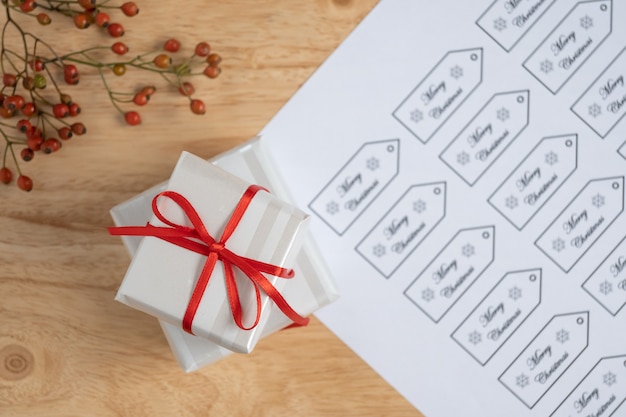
x=199 y=240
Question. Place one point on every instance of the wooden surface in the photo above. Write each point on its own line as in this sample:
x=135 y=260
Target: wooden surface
x=66 y=347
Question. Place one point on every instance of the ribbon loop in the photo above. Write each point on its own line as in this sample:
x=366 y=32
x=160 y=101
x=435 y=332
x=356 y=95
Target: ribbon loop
x=199 y=240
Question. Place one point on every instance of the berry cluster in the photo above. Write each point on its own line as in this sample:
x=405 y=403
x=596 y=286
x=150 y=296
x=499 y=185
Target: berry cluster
x=34 y=118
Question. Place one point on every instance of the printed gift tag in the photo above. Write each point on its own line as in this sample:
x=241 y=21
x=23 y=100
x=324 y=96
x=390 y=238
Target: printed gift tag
x=536 y=179
x=601 y=392
x=583 y=221
x=487 y=135
x=357 y=184
x=547 y=357
x=441 y=92
x=607 y=284
x=455 y=268
x=571 y=43
x=404 y=227
x=603 y=105
x=507 y=21
x=499 y=314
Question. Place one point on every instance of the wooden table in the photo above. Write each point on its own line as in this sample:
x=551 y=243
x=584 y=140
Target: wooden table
x=66 y=347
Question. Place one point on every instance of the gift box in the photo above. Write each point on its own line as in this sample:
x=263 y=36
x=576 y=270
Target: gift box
x=310 y=289
x=244 y=232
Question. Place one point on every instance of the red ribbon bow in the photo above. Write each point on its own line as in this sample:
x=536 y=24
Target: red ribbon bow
x=199 y=240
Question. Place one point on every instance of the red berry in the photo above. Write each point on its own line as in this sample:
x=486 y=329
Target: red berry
x=29 y=109
x=141 y=99
x=197 y=106
x=6 y=113
x=186 y=89
x=74 y=109
x=214 y=59
x=70 y=71
x=212 y=72
x=23 y=125
x=87 y=4
x=81 y=21
x=5 y=175
x=132 y=118
x=65 y=133
x=9 y=80
x=43 y=19
x=203 y=49
x=60 y=110
x=27 y=154
x=72 y=80
x=162 y=61
x=34 y=143
x=36 y=65
x=24 y=183
x=79 y=129
x=115 y=30
x=102 y=19
x=51 y=145
x=32 y=132
x=171 y=45
x=28 y=83
x=14 y=103
x=119 y=48
x=130 y=9
x=28 y=6
x=148 y=90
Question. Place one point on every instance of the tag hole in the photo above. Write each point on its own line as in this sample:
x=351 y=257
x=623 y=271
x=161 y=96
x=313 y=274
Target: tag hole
x=486 y=235
x=603 y=7
x=520 y=99
x=473 y=57
x=615 y=186
x=568 y=143
x=437 y=191
x=391 y=148
x=580 y=320
x=533 y=278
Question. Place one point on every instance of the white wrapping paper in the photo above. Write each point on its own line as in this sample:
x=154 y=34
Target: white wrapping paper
x=311 y=289
x=162 y=276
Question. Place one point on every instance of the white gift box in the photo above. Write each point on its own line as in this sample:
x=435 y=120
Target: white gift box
x=162 y=276
x=311 y=288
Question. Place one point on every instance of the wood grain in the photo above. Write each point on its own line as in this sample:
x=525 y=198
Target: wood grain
x=66 y=348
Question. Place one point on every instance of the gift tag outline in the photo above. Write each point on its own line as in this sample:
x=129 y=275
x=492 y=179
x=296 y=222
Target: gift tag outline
x=555 y=190
x=436 y=257
x=502 y=150
x=572 y=201
x=621 y=54
x=444 y=185
x=622 y=150
x=580 y=65
x=603 y=264
x=501 y=23
x=479 y=56
x=532 y=277
x=539 y=333
x=585 y=378
x=396 y=142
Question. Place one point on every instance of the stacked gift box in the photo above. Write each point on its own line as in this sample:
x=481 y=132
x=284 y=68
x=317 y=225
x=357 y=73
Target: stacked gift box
x=227 y=222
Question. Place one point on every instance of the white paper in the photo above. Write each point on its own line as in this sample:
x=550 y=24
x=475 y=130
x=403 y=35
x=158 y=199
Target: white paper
x=464 y=163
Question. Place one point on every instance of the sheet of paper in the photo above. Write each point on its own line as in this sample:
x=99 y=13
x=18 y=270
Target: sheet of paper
x=464 y=162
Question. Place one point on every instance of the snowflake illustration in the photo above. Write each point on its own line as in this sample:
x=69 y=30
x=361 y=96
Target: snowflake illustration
x=511 y=202
x=521 y=381
x=586 y=22
x=456 y=72
x=373 y=164
x=546 y=66
x=609 y=378
x=428 y=294
x=332 y=208
x=515 y=293
x=597 y=200
x=463 y=158
x=551 y=158
x=503 y=114
x=379 y=250
x=558 y=244
x=595 y=110
x=606 y=287
x=499 y=24
x=468 y=250
x=475 y=338
x=562 y=336
x=416 y=116
x=419 y=206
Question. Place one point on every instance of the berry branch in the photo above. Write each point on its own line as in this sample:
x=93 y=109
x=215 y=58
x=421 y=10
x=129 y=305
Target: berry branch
x=31 y=94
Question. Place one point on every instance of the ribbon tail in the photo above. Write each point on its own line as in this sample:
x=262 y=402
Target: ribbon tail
x=235 y=302
x=198 y=292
